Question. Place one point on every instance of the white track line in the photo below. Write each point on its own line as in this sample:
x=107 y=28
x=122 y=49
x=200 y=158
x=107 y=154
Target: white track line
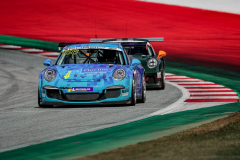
x=192 y=85
x=215 y=97
x=199 y=82
x=175 y=105
x=211 y=93
x=206 y=90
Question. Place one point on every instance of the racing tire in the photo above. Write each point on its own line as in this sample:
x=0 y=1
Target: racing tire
x=143 y=99
x=134 y=94
x=162 y=82
x=43 y=106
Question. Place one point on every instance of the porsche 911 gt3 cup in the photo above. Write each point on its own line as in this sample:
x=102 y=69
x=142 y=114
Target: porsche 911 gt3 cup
x=92 y=73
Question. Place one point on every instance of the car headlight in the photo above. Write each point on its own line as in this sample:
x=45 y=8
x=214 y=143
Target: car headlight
x=119 y=74
x=50 y=74
x=152 y=63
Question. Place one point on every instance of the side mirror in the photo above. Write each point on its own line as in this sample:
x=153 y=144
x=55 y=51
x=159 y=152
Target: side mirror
x=47 y=62
x=135 y=62
x=161 y=54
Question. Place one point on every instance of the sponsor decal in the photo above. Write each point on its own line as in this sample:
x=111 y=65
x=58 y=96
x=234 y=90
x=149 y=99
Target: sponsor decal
x=94 y=47
x=68 y=74
x=82 y=89
x=96 y=69
x=73 y=52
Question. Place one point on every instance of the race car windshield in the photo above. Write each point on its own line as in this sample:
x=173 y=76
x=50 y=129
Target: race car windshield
x=138 y=50
x=91 y=56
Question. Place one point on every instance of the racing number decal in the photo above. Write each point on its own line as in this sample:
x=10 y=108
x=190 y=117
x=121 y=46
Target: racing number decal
x=68 y=74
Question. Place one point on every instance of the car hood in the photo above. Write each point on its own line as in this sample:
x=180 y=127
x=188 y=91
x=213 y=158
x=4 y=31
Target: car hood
x=86 y=71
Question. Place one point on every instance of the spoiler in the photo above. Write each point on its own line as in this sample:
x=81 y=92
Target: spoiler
x=121 y=40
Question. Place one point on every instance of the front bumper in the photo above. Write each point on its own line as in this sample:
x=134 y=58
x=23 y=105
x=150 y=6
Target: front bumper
x=51 y=95
x=42 y=102
x=153 y=80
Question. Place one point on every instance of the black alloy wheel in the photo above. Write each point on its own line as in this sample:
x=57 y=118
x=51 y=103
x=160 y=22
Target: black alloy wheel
x=143 y=100
x=134 y=94
x=162 y=82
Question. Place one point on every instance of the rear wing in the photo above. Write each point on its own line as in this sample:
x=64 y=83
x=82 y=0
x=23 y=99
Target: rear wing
x=122 y=40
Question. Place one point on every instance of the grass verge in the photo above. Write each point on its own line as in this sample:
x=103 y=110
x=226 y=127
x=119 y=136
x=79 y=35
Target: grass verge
x=216 y=140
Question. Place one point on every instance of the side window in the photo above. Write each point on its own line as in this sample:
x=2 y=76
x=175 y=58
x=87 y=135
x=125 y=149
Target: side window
x=125 y=52
x=128 y=58
x=151 y=51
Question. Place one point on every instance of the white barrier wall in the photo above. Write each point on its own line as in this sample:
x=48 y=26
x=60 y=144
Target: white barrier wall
x=230 y=6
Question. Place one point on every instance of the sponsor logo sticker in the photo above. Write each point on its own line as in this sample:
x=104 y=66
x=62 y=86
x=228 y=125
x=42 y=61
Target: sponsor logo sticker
x=82 y=89
x=96 y=70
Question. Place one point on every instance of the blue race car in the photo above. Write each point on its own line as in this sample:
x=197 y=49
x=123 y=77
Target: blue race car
x=92 y=73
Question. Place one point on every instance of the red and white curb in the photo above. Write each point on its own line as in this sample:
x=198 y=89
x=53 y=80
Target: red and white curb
x=203 y=91
x=33 y=51
x=196 y=93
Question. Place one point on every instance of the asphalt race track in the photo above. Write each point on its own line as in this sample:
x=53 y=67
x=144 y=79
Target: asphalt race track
x=23 y=123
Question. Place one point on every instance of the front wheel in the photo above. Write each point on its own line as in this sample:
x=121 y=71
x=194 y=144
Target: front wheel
x=143 y=100
x=134 y=94
x=162 y=82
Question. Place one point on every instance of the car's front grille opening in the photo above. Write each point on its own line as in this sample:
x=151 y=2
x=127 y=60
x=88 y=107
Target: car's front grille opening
x=82 y=96
x=113 y=93
x=53 y=94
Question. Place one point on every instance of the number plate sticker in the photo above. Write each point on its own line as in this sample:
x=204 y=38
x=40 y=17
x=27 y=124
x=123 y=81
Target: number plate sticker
x=82 y=89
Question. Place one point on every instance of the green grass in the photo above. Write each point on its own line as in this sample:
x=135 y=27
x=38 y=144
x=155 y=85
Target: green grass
x=217 y=140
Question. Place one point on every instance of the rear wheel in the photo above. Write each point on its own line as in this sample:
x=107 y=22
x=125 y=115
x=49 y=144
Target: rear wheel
x=143 y=90
x=43 y=106
x=162 y=82
x=134 y=94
